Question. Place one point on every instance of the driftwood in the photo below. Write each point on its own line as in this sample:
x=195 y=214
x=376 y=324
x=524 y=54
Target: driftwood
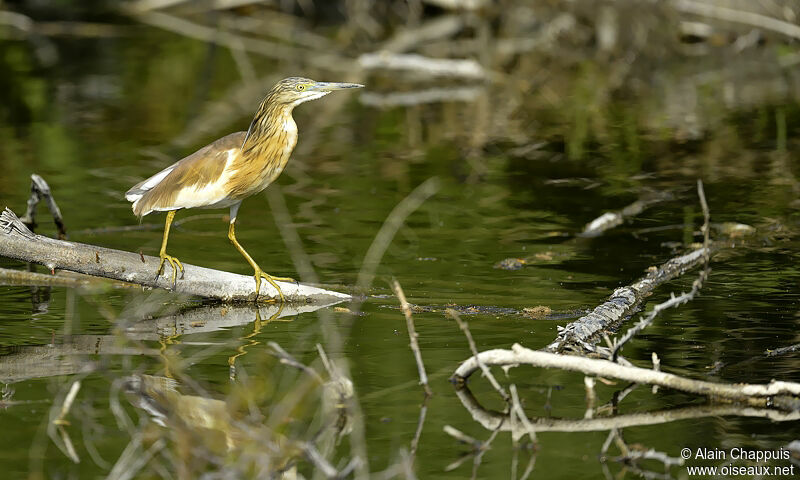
x=575 y=337
x=17 y=242
x=423 y=66
x=610 y=220
x=419 y=97
x=777 y=400
x=775 y=394
x=623 y=302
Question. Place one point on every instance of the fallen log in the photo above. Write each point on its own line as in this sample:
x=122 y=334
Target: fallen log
x=18 y=242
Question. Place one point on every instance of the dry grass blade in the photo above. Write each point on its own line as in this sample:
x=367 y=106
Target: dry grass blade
x=412 y=335
x=390 y=227
x=73 y=392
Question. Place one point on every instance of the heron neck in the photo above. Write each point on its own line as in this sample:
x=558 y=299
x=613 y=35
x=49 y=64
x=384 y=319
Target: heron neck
x=271 y=124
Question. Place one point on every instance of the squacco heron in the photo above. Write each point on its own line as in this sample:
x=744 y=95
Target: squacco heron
x=225 y=172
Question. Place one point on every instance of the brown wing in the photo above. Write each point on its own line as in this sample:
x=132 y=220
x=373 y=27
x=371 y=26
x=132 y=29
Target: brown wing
x=203 y=167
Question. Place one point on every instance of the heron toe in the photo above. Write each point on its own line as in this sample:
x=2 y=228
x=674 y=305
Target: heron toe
x=259 y=274
x=175 y=263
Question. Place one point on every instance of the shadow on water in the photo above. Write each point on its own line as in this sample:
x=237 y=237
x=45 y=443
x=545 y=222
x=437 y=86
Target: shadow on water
x=536 y=119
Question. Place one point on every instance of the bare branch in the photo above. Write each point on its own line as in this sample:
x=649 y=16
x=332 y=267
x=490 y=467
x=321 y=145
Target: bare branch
x=418 y=97
x=777 y=394
x=491 y=419
x=425 y=66
x=517 y=407
x=486 y=372
x=40 y=190
x=738 y=16
x=288 y=359
x=458 y=4
x=229 y=40
x=73 y=392
x=462 y=437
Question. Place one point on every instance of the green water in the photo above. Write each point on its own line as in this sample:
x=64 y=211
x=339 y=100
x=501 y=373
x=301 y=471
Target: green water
x=105 y=115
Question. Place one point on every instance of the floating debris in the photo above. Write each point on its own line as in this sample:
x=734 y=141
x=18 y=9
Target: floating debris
x=538 y=312
x=511 y=264
x=735 y=230
x=348 y=311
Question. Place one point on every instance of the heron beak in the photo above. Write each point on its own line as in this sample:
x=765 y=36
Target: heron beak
x=331 y=86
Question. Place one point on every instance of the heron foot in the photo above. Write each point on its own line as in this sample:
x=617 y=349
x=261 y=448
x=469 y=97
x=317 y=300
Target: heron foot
x=175 y=263
x=259 y=274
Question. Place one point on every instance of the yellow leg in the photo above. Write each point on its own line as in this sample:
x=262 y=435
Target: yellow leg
x=258 y=274
x=176 y=264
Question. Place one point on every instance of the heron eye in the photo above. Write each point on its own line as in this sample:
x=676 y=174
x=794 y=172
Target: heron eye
x=301 y=87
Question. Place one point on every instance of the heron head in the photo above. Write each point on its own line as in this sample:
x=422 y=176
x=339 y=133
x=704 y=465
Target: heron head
x=296 y=90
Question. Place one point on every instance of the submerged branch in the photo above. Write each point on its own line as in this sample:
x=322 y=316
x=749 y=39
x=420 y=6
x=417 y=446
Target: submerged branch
x=17 y=242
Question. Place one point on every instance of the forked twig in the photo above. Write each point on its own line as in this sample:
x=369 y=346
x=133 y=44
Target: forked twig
x=40 y=190
x=288 y=359
x=516 y=407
